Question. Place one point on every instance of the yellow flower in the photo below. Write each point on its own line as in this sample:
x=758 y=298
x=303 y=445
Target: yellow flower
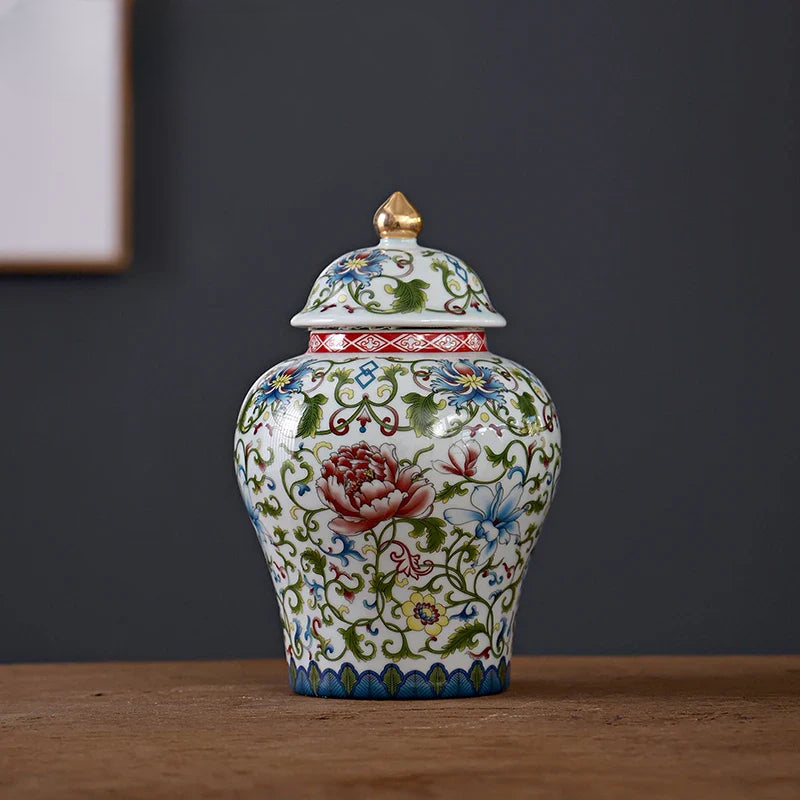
x=424 y=613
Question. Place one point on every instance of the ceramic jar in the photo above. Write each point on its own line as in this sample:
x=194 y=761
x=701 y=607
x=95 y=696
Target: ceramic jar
x=397 y=475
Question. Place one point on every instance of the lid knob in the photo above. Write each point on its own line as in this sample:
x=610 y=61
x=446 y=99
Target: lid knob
x=397 y=219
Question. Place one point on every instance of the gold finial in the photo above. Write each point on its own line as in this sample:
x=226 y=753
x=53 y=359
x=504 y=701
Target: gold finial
x=397 y=219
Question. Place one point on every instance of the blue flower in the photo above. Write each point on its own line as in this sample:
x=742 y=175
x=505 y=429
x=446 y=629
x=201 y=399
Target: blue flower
x=466 y=382
x=496 y=518
x=361 y=266
x=279 y=386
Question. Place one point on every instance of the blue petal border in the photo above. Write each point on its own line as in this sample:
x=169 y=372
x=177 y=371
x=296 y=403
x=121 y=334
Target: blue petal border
x=391 y=683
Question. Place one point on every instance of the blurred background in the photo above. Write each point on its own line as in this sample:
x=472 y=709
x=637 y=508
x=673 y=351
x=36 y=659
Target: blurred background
x=623 y=175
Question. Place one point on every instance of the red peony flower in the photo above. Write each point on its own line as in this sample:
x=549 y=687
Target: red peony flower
x=365 y=485
x=463 y=457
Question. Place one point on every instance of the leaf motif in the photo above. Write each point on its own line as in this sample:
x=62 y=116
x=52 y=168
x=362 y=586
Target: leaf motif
x=311 y=416
x=438 y=678
x=432 y=528
x=280 y=535
x=527 y=405
x=404 y=651
x=443 y=267
x=476 y=676
x=344 y=591
x=500 y=458
x=471 y=553
x=392 y=679
x=537 y=505
x=391 y=370
x=270 y=507
x=348 y=678
x=449 y=491
x=422 y=412
x=314 y=677
x=295 y=598
x=315 y=560
x=530 y=416
x=382 y=583
x=341 y=377
x=463 y=637
x=409 y=296
x=352 y=641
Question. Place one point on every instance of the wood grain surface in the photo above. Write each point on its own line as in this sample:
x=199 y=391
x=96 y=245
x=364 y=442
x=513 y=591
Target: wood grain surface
x=643 y=727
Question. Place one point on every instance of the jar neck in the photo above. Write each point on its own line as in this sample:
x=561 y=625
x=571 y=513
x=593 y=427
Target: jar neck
x=398 y=340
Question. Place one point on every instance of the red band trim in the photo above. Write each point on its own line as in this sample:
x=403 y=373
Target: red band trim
x=435 y=341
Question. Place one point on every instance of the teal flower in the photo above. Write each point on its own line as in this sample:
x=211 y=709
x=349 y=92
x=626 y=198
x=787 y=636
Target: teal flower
x=466 y=382
x=359 y=267
x=280 y=385
x=495 y=517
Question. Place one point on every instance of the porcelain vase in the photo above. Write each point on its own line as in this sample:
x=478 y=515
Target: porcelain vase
x=397 y=475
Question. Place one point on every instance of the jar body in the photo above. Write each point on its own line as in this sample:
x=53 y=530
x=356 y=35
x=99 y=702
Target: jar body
x=397 y=497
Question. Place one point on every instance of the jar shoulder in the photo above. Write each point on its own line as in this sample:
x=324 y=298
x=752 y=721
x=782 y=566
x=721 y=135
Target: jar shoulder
x=431 y=394
x=357 y=361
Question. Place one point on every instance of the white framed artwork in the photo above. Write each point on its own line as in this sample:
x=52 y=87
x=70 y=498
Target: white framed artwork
x=65 y=143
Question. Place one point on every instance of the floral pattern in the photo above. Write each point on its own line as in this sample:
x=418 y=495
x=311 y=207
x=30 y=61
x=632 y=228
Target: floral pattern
x=398 y=499
x=360 y=267
x=281 y=384
x=465 y=382
x=497 y=517
x=424 y=614
x=365 y=485
x=462 y=459
x=374 y=282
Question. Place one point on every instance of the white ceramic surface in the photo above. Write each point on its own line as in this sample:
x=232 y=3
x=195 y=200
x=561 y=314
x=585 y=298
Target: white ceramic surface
x=397 y=475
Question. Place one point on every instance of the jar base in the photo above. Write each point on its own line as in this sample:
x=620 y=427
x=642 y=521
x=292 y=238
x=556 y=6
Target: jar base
x=391 y=683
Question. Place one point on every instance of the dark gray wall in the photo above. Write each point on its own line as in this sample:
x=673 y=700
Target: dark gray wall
x=625 y=178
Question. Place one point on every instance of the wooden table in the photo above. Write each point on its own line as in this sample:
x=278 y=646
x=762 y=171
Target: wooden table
x=642 y=727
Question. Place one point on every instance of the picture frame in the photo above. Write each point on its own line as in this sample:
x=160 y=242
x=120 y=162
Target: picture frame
x=66 y=142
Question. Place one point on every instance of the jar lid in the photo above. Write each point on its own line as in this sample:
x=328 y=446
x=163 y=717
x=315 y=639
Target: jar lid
x=398 y=283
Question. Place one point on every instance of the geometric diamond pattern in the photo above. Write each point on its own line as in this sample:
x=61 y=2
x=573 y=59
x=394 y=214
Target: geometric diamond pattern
x=397 y=342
